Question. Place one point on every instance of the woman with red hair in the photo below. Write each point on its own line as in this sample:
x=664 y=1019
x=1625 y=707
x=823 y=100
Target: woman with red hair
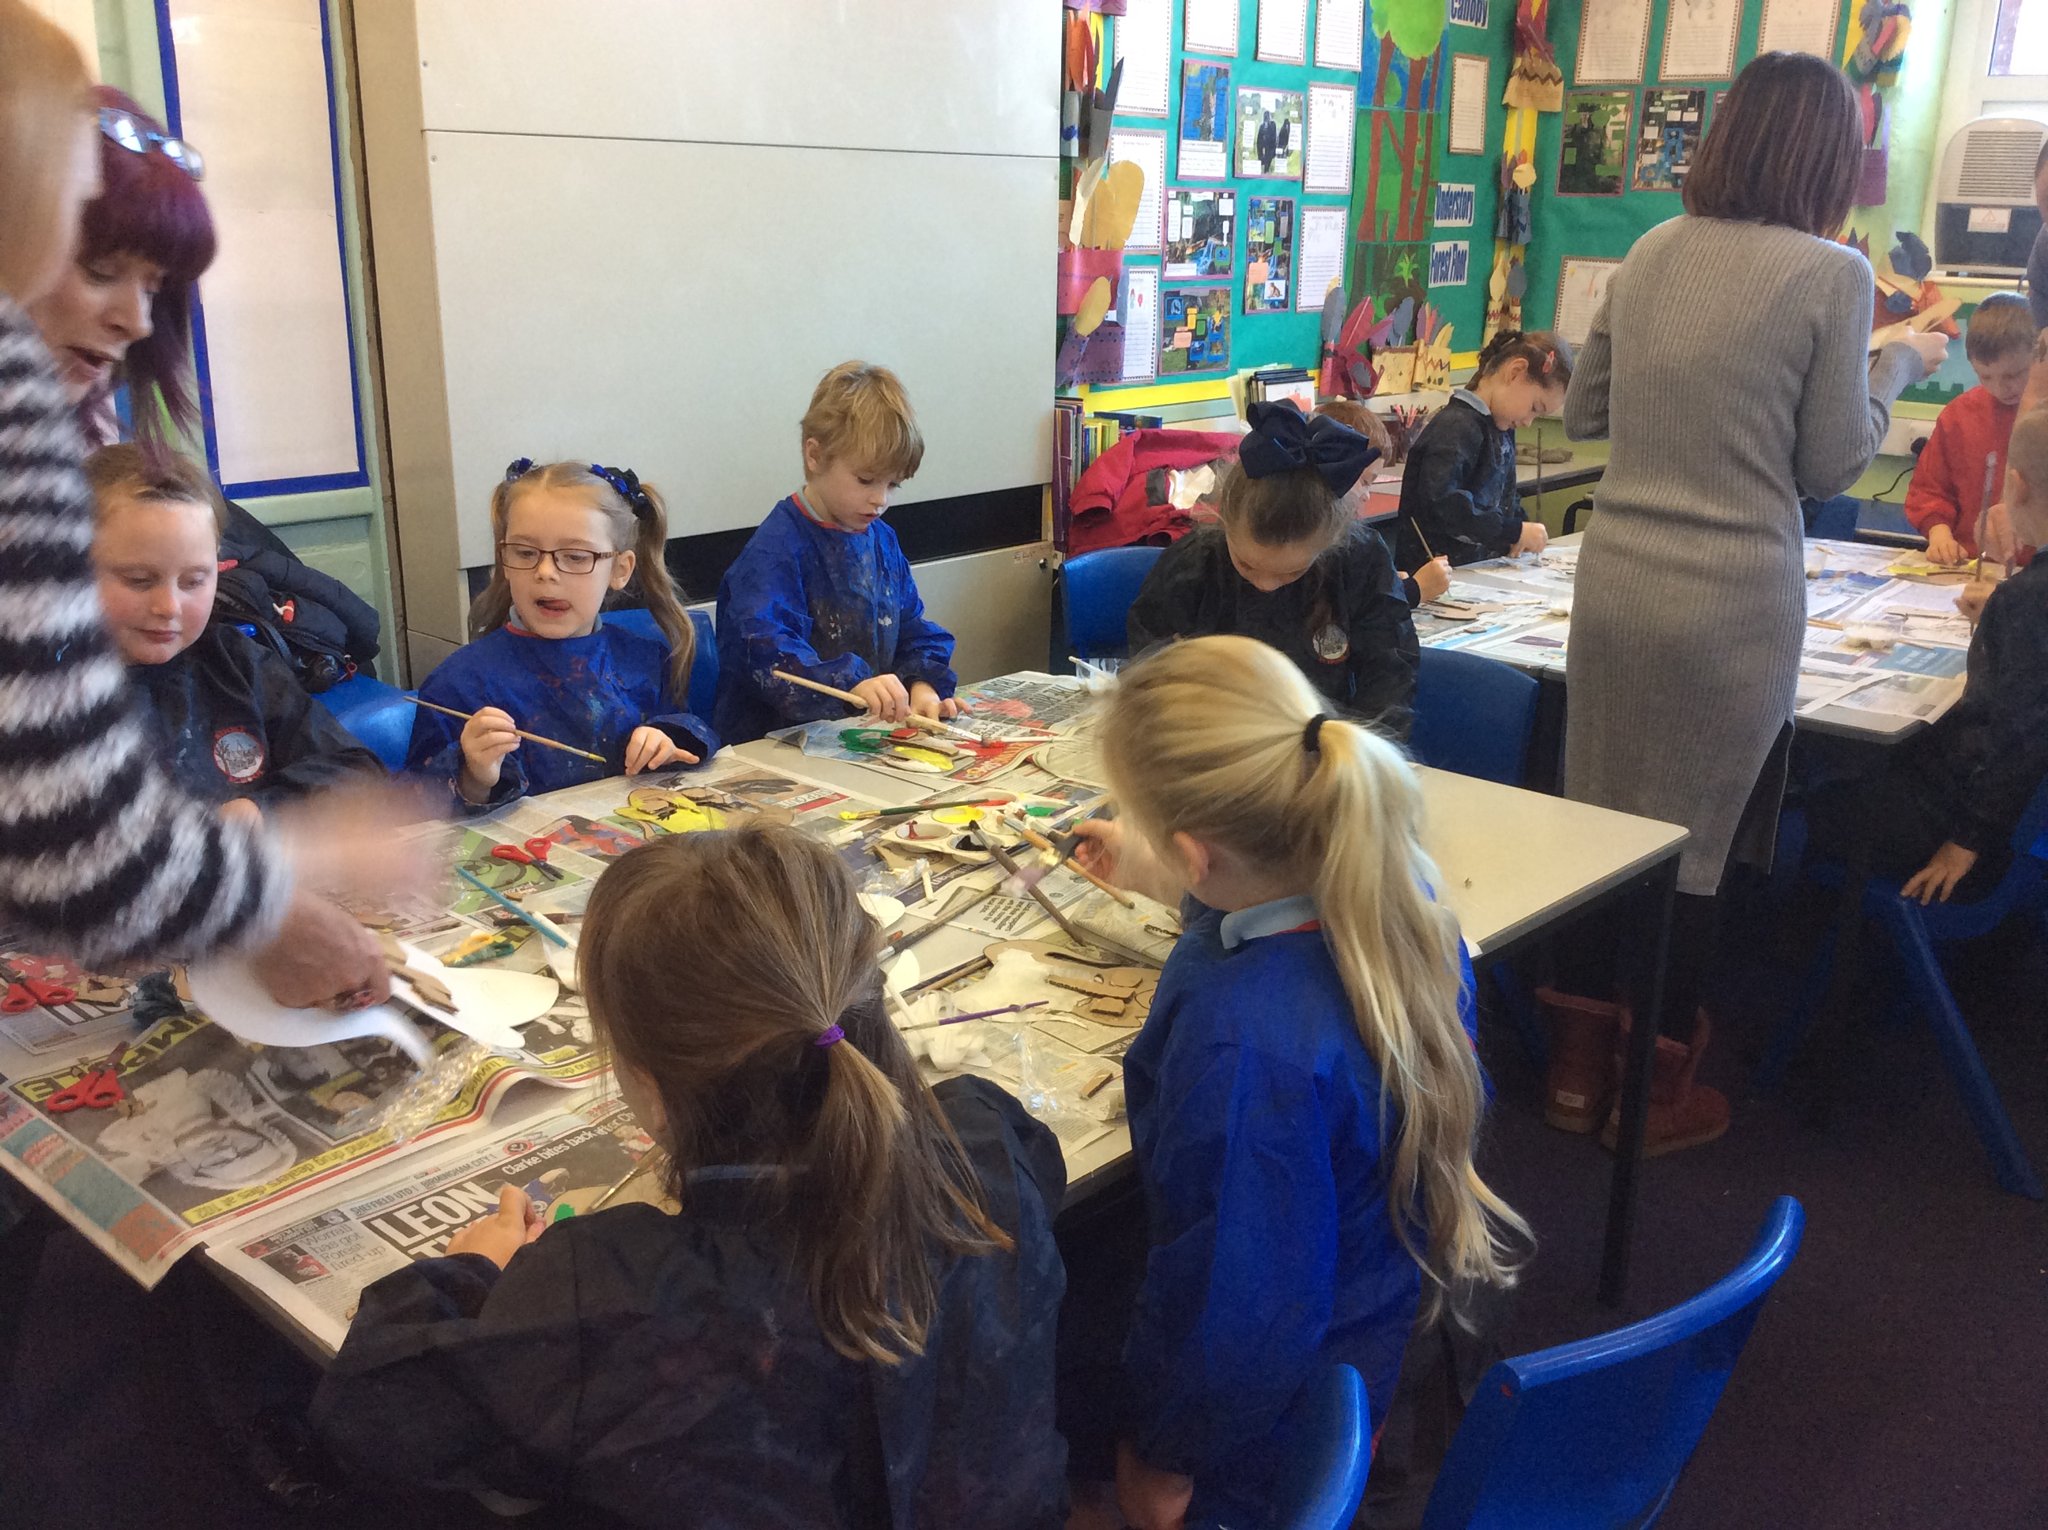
x=122 y=311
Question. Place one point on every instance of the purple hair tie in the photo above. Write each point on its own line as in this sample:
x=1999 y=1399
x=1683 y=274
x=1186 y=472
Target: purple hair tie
x=831 y=1034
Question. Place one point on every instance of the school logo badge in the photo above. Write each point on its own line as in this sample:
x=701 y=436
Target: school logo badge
x=238 y=755
x=1332 y=646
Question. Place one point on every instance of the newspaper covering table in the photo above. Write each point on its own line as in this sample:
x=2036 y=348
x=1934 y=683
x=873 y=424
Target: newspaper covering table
x=307 y=1173
x=1884 y=642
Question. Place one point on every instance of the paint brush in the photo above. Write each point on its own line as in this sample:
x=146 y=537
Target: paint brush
x=530 y=737
x=1008 y=862
x=924 y=724
x=547 y=927
x=1066 y=858
x=612 y=1190
x=978 y=1014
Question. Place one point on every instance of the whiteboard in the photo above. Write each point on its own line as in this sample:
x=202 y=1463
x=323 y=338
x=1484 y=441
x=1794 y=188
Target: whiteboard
x=669 y=306
x=961 y=77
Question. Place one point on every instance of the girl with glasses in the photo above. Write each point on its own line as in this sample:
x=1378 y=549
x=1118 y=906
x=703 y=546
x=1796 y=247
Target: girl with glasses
x=544 y=661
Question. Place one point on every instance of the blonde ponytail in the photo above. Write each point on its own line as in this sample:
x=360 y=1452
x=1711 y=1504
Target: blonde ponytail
x=778 y=1051
x=1216 y=738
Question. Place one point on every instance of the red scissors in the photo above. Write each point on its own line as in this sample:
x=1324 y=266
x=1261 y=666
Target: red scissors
x=99 y=1089
x=533 y=853
x=26 y=993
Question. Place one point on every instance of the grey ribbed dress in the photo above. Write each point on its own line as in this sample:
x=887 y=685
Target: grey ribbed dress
x=1728 y=366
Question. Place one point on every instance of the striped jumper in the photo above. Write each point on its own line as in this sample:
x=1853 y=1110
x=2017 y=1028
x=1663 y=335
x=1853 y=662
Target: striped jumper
x=101 y=858
x=1728 y=366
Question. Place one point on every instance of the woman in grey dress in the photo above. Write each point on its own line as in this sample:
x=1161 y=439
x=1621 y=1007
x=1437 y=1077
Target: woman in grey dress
x=1729 y=366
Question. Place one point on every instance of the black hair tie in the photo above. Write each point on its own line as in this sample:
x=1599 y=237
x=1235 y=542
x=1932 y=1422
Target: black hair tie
x=1311 y=736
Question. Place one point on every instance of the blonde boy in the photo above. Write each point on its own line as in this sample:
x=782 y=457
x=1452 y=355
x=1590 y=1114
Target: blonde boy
x=822 y=589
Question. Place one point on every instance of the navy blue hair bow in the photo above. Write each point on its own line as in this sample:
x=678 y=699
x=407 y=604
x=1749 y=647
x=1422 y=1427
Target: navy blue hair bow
x=1283 y=440
x=518 y=468
x=627 y=484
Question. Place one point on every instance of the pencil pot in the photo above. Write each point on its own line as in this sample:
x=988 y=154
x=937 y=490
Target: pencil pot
x=1079 y=270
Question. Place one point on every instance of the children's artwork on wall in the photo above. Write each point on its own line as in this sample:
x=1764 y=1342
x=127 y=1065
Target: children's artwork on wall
x=1668 y=138
x=1194 y=330
x=1269 y=133
x=1394 y=278
x=1268 y=254
x=1204 y=121
x=1594 y=159
x=1201 y=232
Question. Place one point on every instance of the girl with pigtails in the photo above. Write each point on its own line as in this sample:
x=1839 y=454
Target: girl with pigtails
x=544 y=661
x=1304 y=1097
x=848 y=1322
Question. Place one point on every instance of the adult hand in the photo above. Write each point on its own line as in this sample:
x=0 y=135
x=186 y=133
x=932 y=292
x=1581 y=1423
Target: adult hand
x=1995 y=535
x=1933 y=882
x=487 y=738
x=1932 y=349
x=884 y=697
x=347 y=842
x=651 y=749
x=321 y=957
x=516 y=1223
x=1433 y=578
x=1943 y=548
x=1150 y=1498
x=1534 y=538
x=1970 y=599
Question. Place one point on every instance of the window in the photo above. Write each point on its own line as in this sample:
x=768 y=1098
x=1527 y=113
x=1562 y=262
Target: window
x=2019 y=42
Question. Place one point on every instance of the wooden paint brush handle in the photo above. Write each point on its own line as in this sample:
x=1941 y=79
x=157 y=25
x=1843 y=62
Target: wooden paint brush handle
x=926 y=724
x=530 y=737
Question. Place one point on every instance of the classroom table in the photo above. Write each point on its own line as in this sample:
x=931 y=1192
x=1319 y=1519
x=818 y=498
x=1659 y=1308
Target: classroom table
x=1516 y=866
x=1512 y=637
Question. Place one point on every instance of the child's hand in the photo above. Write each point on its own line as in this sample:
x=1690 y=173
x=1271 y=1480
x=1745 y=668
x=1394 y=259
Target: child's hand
x=925 y=702
x=884 y=697
x=1933 y=882
x=239 y=810
x=1534 y=539
x=1125 y=860
x=650 y=749
x=1150 y=1498
x=516 y=1223
x=1943 y=548
x=1970 y=599
x=487 y=738
x=1433 y=578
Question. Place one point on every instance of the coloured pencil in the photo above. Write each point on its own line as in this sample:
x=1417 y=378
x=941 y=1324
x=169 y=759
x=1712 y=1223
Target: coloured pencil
x=530 y=737
x=545 y=926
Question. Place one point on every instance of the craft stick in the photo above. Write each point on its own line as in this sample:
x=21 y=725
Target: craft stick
x=1004 y=859
x=1066 y=858
x=534 y=738
x=545 y=926
x=927 y=724
x=978 y=1014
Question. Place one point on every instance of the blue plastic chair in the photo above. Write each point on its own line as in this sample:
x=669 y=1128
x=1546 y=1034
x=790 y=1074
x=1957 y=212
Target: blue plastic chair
x=1323 y=1448
x=1594 y=1435
x=379 y=715
x=1473 y=715
x=703 y=665
x=1916 y=934
x=1092 y=597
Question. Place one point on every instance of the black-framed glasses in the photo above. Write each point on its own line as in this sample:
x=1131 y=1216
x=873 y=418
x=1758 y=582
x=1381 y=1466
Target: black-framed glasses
x=138 y=137
x=568 y=560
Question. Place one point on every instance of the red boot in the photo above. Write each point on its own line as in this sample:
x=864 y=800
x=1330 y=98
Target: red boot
x=1583 y=1036
x=1683 y=1114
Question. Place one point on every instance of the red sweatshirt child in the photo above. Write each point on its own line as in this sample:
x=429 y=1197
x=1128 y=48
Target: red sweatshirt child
x=1963 y=467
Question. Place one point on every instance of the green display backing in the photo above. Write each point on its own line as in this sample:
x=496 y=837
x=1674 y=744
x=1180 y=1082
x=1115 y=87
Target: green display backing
x=1260 y=339
x=1464 y=307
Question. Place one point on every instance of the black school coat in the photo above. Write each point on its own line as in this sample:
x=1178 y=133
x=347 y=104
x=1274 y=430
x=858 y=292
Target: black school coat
x=232 y=720
x=667 y=1370
x=1459 y=497
x=1344 y=623
x=1979 y=765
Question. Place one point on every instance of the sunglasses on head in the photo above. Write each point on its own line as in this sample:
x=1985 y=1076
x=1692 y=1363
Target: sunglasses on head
x=138 y=137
